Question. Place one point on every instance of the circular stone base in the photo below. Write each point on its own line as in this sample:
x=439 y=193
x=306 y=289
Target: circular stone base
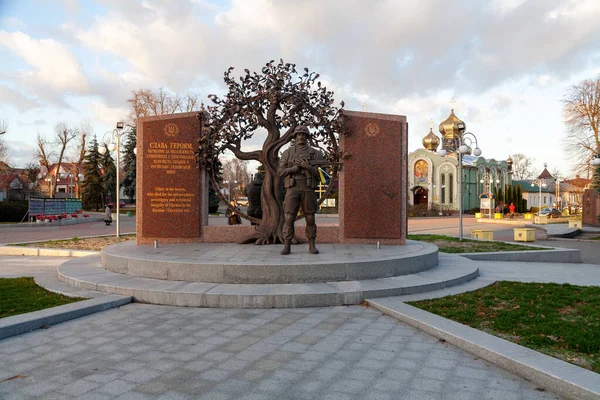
x=251 y=264
x=86 y=272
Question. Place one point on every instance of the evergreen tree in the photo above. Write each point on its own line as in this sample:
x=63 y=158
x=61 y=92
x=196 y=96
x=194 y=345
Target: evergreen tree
x=213 y=198
x=129 y=164
x=519 y=198
x=596 y=179
x=91 y=187
x=109 y=178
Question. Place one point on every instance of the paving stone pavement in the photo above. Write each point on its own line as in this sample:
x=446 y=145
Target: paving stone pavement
x=142 y=351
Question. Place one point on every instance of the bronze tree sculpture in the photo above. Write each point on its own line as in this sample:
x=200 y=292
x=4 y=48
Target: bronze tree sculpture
x=278 y=100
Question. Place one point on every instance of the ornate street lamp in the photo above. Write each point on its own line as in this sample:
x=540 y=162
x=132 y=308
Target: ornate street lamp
x=541 y=183
x=596 y=160
x=229 y=190
x=70 y=188
x=462 y=146
x=115 y=145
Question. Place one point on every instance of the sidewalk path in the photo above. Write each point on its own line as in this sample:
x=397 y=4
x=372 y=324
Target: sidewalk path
x=148 y=352
x=144 y=352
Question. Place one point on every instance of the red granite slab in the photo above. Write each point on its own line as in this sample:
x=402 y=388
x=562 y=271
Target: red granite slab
x=169 y=200
x=591 y=207
x=373 y=181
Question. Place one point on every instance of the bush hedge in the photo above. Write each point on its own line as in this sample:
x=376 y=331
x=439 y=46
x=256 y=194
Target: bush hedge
x=13 y=211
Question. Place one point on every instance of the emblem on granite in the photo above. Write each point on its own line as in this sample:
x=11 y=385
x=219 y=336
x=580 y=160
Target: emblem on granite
x=171 y=130
x=372 y=129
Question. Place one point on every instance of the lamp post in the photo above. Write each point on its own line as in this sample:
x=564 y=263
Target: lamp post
x=540 y=183
x=70 y=188
x=229 y=190
x=115 y=145
x=462 y=146
x=49 y=180
x=558 y=202
x=79 y=179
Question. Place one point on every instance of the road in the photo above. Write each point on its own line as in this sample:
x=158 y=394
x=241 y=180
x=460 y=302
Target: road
x=434 y=225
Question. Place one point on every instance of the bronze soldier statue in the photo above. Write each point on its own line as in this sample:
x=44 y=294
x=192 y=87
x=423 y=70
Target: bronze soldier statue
x=300 y=180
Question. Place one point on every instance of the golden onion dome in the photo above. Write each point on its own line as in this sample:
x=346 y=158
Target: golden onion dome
x=450 y=127
x=431 y=141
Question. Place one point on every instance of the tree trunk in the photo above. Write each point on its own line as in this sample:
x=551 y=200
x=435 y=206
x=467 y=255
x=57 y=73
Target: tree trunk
x=270 y=228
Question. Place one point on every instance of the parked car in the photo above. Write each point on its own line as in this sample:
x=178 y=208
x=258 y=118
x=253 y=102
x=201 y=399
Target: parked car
x=551 y=213
x=121 y=204
x=242 y=201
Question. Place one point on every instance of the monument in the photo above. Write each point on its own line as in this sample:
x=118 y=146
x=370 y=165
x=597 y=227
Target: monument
x=180 y=259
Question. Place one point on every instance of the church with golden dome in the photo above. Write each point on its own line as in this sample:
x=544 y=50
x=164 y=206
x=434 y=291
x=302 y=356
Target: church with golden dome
x=433 y=171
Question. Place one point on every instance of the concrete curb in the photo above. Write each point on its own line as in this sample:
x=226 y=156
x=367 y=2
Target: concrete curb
x=55 y=224
x=556 y=255
x=38 y=251
x=23 y=323
x=555 y=375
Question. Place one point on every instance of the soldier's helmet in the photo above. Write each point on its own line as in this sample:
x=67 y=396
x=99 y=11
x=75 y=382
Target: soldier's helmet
x=301 y=129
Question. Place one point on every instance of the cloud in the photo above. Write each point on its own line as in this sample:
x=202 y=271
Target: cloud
x=54 y=67
x=164 y=43
x=17 y=99
x=108 y=115
x=20 y=153
x=37 y=122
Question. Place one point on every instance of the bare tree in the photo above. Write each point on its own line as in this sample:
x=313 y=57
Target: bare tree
x=235 y=170
x=3 y=147
x=47 y=150
x=557 y=174
x=85 y=131
x=146 y=102
x=581 y=111
x=522 y=166
x=31 y=175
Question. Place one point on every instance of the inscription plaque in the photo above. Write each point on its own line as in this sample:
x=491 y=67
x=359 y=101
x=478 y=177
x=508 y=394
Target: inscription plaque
x=168 y=190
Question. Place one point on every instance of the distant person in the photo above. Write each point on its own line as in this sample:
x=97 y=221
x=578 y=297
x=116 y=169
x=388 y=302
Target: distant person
x=107 y=215
x=233 y=218
x=253 y=191
x=511 y=208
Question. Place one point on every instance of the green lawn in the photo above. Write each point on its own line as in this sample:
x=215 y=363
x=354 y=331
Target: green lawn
x=559 y=320
x=22 y=295
x=450 y=244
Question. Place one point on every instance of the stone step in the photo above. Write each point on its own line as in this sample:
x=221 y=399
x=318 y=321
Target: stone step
x=251 y=264
x=88 y=273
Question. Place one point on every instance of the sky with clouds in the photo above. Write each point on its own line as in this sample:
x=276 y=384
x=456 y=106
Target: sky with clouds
x=504 y=64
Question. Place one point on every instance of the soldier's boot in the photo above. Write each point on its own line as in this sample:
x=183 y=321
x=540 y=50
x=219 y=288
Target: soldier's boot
x=288 y=235
x=311 y=235
x=286 y=248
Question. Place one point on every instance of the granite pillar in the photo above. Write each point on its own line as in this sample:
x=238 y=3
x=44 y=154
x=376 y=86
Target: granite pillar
x=373 y=182
x=171 y=191
x=591 y=207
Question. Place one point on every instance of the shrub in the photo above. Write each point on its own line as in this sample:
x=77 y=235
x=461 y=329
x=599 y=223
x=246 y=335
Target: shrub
x=13 y=211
